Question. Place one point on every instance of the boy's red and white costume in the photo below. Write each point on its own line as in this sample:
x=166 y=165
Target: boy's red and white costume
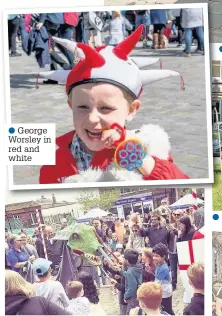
x=111 y=65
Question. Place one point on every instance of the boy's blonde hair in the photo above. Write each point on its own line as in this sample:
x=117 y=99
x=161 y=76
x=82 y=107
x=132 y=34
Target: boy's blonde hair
x=150 y=294
x=195 y=273
x=116 y=14
x=73 y=288
x=15 y=284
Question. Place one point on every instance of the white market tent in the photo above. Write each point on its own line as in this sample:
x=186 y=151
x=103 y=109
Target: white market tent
x=185 y=202
x=93 y=213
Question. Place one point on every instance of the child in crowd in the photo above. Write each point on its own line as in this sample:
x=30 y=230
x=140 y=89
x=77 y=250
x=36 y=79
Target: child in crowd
x=148 y=265
x=149 y=295
x=133 y=278
x=162 y=275
x=46 y=287
x=114 y=242
x=101 y=108
x=119 y=248
x=214 y=309
x=195 y=274
x=79 y=305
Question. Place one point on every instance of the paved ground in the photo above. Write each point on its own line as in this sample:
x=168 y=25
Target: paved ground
x=215 y=12
x=182 y=114
x=110 y=302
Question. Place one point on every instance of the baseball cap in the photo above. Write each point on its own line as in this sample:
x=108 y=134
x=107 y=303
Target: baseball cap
x=41 y=266
x=119 y=246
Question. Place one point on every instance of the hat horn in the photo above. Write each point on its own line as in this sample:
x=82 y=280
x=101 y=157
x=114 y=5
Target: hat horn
x=57 y=75
x=142 y=62
x=149 y=76
x=125 y=47
x=92 y=57
x=70 y=45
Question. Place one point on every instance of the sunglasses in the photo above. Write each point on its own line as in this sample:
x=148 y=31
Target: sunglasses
x=177 y=214
x=135 y=231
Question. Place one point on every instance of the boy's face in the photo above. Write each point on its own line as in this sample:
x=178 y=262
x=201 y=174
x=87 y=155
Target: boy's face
x=95 y=108
x=81 y=293
x=157 y=259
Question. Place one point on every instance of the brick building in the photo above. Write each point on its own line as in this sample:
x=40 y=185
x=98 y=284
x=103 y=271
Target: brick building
x=18 y=215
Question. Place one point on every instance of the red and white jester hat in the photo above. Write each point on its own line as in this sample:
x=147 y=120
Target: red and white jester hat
x=112 y=65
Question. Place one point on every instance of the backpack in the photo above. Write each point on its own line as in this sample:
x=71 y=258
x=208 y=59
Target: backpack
x=71 y=18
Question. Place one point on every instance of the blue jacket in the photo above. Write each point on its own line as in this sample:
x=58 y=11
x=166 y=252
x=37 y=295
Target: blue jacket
x=158 y=16
x=37 y=42
x=56 y=18
x=133 y=279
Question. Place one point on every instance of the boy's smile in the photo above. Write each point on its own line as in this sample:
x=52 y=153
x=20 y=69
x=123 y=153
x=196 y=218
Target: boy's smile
x=95 y=108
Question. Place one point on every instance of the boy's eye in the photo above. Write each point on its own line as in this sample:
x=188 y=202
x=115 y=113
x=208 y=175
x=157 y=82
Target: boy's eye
x=82 y=107
x=107 y=108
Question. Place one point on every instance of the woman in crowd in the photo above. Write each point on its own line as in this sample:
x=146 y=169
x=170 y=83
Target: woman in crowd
x=20 y=298
x=91 y=292
x=186 y=229
x=135 y=241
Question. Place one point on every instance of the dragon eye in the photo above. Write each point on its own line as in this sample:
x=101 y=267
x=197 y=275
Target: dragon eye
x=75 y=236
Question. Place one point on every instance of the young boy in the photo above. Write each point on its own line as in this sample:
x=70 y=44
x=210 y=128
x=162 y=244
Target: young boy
x=149 y=295
x=133 y=278
x=195 y=274
x=50 y=289
x=104 y=89
x=162 y=275
x=114 y=242
x=79 y=305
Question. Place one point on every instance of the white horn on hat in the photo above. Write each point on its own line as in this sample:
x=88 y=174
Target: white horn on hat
x=149 y=76
x=70 y=45
x=57 y=75
x=143 y=62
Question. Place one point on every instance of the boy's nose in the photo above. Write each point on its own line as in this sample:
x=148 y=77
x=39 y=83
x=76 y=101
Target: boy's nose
x=94 y=117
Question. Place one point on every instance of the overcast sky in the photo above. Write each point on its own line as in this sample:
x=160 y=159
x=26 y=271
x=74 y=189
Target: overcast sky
x=23 y=196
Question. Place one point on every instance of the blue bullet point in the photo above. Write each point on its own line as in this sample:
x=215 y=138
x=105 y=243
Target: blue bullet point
x=11 y=130
x=220 y=49
x=215 y=217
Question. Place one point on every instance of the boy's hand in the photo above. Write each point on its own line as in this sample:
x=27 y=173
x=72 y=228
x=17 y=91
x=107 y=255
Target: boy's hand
x=110 y=136
x=113 y=281
x=147 y=166
x=117 y=276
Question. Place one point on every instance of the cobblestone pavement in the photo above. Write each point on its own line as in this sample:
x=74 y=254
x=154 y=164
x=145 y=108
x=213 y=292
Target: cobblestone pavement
x=182 y=114
x=215 y=13
x=110 y=304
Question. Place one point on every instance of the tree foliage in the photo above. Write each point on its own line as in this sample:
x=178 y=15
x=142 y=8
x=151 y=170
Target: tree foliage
x=104 y=200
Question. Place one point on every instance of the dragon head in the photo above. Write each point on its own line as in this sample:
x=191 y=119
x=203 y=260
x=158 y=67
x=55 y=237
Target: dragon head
x=81 y=238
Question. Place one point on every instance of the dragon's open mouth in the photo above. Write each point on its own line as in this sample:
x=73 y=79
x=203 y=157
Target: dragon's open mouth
x=92 y=259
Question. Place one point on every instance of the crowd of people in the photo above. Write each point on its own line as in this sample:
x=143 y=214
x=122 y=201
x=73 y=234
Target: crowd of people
x=36 y=31
x=144 y=269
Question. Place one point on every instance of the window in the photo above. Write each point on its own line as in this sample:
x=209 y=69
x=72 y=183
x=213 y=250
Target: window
x=216 y=69
x=143 y=189
x=217 y=106
x=33 y=219
x=15 y=216
x=124 y=191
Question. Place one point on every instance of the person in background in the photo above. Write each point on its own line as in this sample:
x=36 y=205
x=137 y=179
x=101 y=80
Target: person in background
x=27 y=247
x=133 y=278
x=158 y=20
x=7 y=247
x=126 y=234
x=195 y=274
x=148 y=265
x=119 y=248
x=214 y=309
x=119 y=230
x=109 y=233
x=162 y=275
x=143 y=17
x=16 y=257
x=135 y=241
x=46 y=287
x=192 y=19
x=20 y=298
x=64 y=223
x=186 y=230
x=13 y=26
x=219 y=302
x=96 y=223
x=199 y=223
x=91 y=292
x=79 y=305
x=114 y=242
